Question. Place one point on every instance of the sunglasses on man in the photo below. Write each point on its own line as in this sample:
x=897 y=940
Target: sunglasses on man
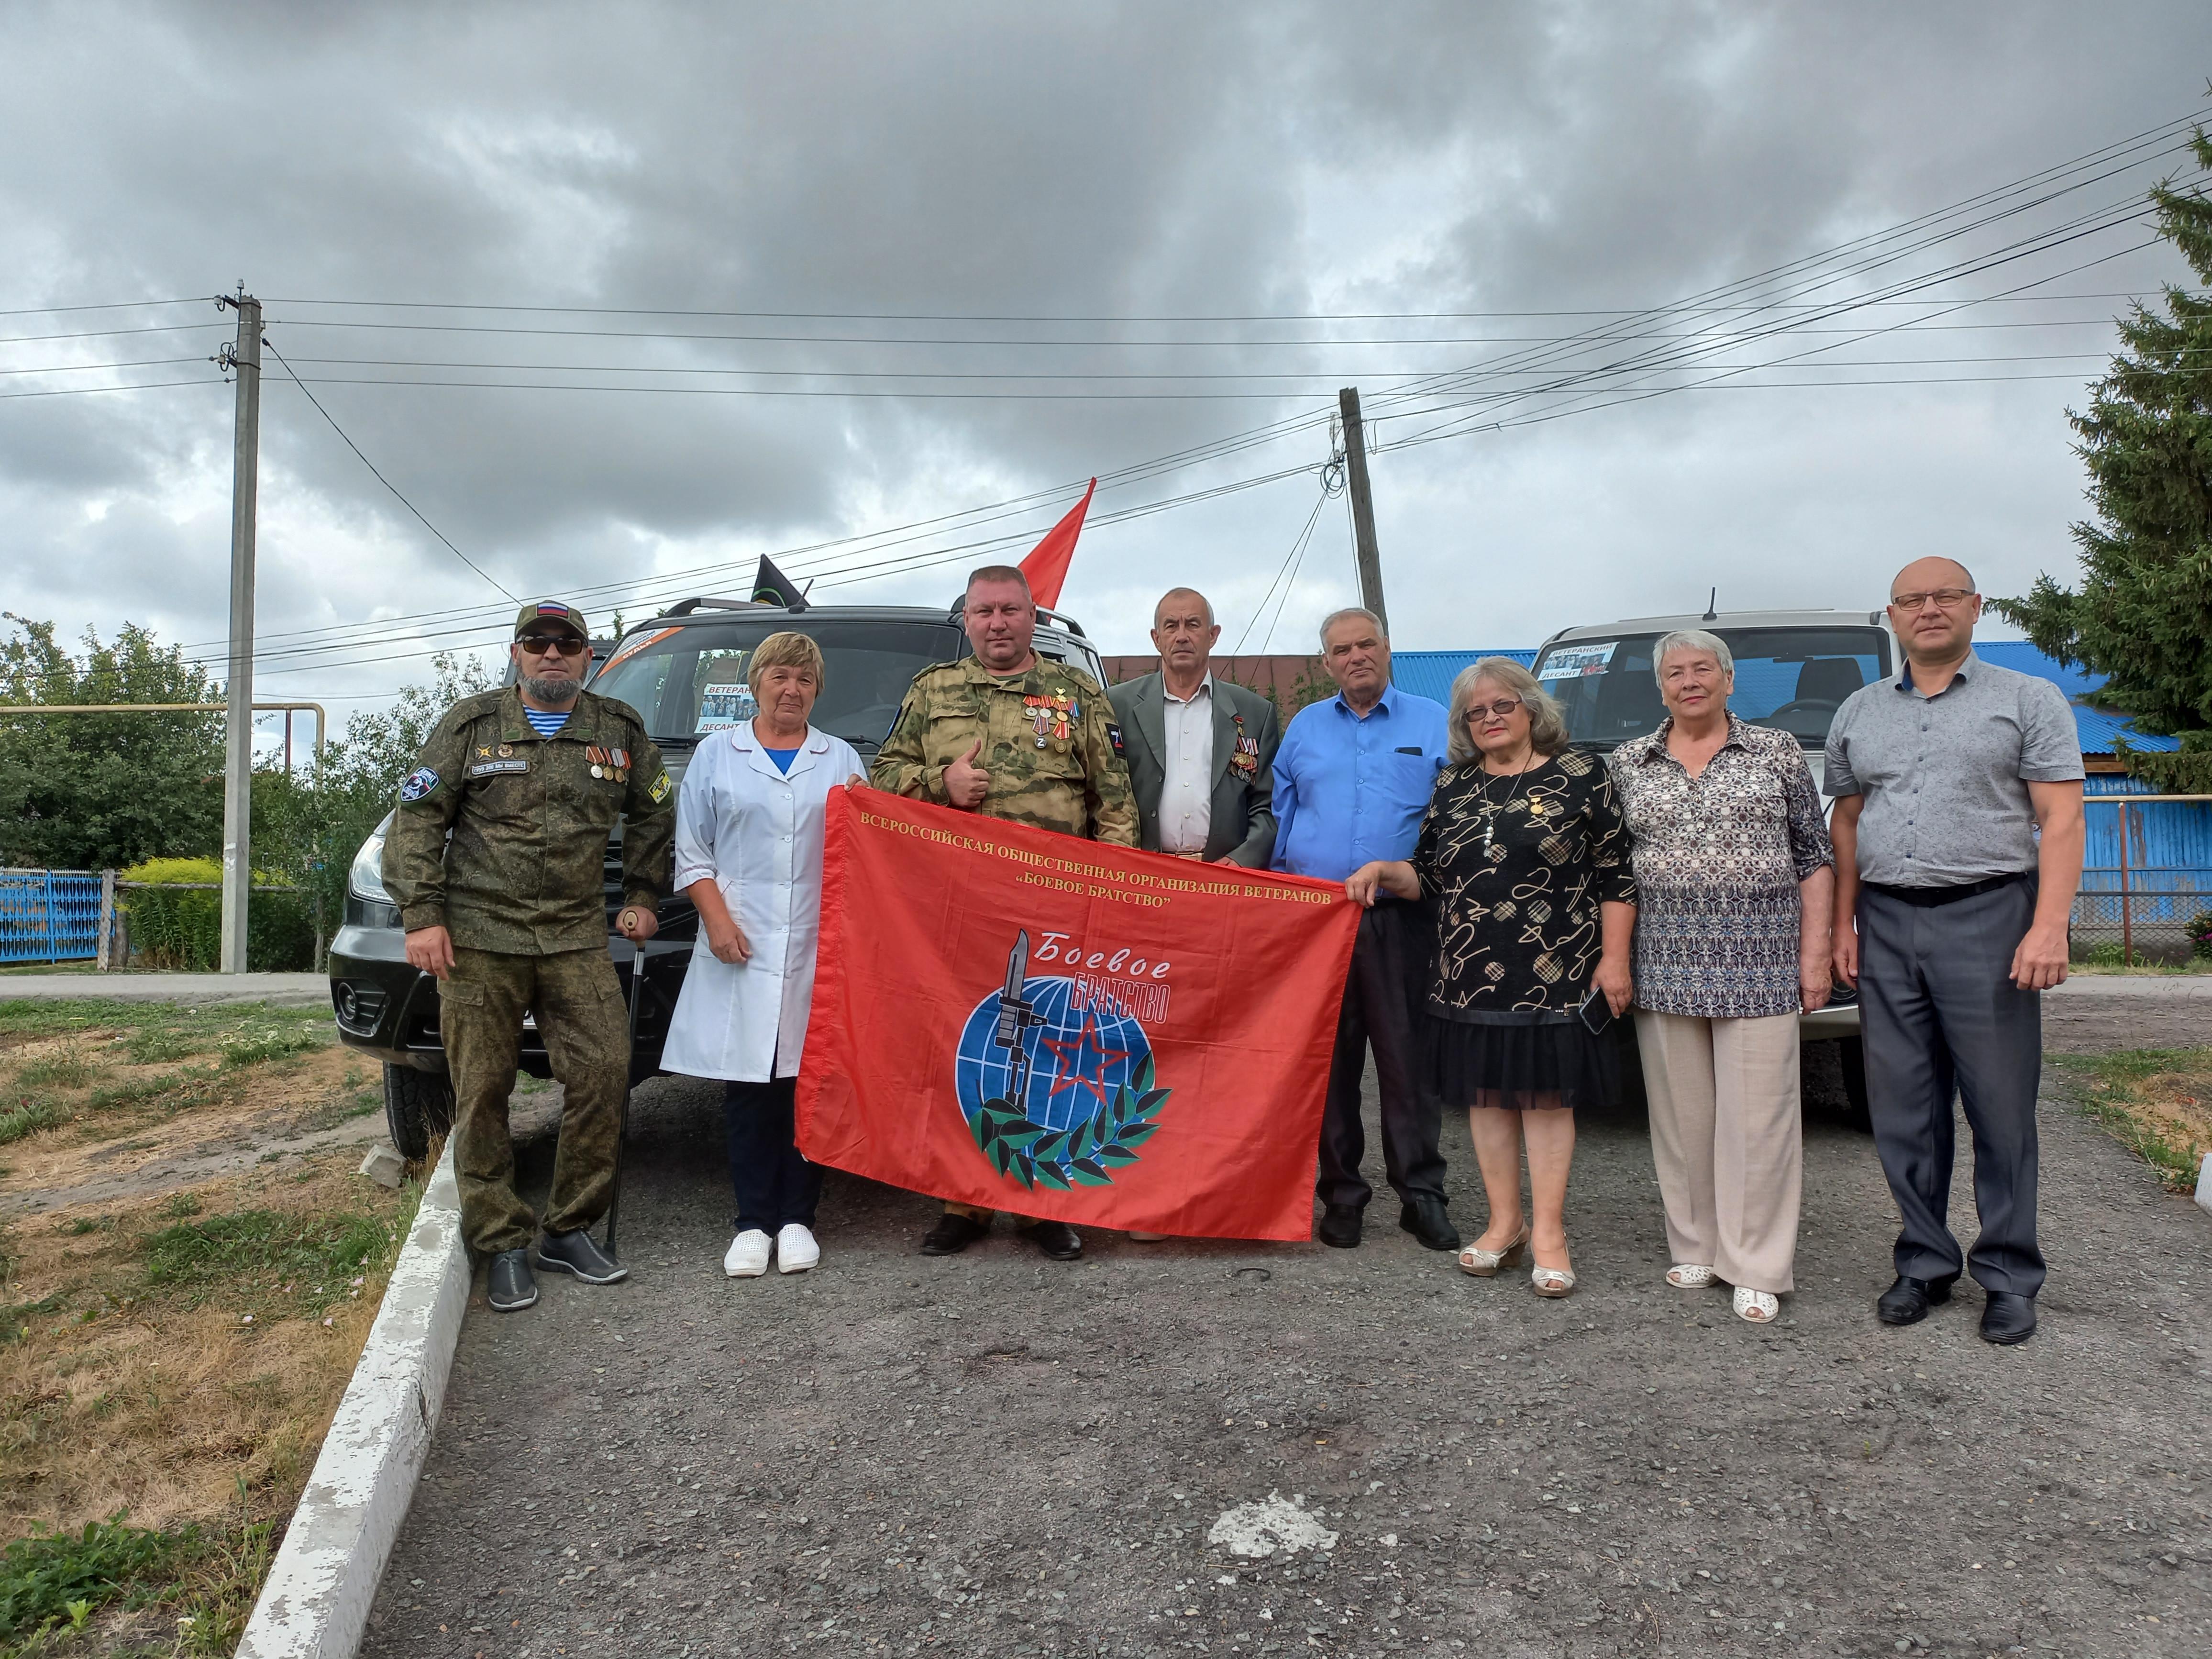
x=537 y=645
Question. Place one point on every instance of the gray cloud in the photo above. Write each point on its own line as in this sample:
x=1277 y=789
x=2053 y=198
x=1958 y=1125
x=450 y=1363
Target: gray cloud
x=1020 y=161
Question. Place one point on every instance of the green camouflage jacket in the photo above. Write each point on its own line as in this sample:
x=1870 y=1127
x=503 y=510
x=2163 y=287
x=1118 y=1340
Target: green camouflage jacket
x=1049 y=744
x=530 y=816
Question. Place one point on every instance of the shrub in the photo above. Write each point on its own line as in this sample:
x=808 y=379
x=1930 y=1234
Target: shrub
x=2200 y=935
x=178 y=926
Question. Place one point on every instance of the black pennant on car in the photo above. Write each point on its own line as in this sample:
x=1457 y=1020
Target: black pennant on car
x=772 y=587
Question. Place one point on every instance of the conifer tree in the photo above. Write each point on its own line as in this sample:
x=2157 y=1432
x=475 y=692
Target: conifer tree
x=2142 y=614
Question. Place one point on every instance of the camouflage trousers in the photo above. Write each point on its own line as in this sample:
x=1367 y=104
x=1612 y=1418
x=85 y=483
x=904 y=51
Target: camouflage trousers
x=585 y=1024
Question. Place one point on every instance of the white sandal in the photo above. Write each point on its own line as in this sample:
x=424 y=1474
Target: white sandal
x=1484 y=1264
x=1552 y=1282
x=1758 y=1307
x=1690 y=1276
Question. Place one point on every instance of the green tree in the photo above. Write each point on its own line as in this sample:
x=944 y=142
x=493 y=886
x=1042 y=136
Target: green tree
x=93 y=791
x=2144 y=613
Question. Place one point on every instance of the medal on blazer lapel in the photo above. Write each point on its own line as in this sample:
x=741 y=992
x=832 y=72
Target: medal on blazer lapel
x=1246 y=759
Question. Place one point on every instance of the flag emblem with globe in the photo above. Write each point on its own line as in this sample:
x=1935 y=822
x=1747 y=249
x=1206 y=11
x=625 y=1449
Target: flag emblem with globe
x=1056 y=1093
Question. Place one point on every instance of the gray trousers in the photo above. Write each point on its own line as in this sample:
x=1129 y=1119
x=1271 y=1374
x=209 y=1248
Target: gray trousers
x=1940 y=1014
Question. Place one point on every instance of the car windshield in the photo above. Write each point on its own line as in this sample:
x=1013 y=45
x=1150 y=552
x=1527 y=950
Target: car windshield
x=688 y=679
x=1793 y=679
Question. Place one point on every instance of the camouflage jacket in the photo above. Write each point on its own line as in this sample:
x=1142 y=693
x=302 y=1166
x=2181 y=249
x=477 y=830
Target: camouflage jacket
x=1049 y=744
x=525 y=872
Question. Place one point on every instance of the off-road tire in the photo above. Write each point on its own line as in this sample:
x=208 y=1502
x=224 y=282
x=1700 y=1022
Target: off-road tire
x=418 y=1105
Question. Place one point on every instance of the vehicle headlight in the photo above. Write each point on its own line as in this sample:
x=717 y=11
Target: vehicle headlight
x=366 y=879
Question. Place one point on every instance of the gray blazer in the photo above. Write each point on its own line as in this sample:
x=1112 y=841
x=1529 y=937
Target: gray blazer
x=1242 y=825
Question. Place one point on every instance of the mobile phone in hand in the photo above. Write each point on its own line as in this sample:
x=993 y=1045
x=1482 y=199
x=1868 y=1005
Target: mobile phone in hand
x=1596 y=1012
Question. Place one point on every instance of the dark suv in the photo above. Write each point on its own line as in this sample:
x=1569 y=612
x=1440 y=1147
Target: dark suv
x=684 y=672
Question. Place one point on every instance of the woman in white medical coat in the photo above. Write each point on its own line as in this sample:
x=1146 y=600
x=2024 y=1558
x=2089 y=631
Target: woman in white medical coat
x=749 y=826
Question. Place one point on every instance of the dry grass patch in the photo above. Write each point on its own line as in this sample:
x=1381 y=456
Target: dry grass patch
x=2156 y=1102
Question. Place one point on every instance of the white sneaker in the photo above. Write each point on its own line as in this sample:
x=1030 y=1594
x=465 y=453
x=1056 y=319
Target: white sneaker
x=795 y=1249
x=748 y=1255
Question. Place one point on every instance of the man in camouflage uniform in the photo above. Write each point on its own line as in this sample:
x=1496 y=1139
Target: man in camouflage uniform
x=1015 y=736
x=510 y=916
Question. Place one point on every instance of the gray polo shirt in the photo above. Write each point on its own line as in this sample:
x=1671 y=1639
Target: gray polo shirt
x=1946 y=777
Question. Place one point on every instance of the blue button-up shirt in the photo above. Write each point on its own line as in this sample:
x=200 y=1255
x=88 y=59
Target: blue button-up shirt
x=1350 y=790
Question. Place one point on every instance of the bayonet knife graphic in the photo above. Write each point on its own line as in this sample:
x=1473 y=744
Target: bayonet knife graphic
x=1017 y=1017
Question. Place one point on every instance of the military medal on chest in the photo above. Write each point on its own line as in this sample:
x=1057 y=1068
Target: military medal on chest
x=1246 y=758
x=611 y=763
x=1050 y=716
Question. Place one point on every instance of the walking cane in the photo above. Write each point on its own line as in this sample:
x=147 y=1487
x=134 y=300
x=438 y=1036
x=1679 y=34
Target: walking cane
x=630 y=1071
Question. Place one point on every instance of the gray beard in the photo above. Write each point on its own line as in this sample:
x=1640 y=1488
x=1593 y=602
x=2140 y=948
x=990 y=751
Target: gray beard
x=558 y=693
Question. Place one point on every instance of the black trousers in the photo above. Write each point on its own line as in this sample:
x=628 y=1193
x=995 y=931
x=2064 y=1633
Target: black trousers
x=1381 y=1003
x=774 y=1185
x=1940 y=1015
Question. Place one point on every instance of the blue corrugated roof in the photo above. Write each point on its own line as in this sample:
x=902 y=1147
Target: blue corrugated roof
x=1430 y=674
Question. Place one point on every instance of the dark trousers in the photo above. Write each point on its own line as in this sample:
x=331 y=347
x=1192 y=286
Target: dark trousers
x=774 y=1184
x=1939 y=1014
x=1380 y=1002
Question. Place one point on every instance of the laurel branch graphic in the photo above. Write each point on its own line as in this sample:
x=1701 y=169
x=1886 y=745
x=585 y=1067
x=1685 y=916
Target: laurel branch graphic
x=1084 y=1155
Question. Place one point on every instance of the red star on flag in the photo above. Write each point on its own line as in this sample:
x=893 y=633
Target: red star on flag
x=1069 y=1072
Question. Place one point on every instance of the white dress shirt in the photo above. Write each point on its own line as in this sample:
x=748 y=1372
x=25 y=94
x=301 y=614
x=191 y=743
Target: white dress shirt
x=1187 y=795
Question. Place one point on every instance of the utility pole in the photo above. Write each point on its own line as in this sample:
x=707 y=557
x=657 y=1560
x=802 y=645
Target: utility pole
x=244 y=358
x=1363 y=504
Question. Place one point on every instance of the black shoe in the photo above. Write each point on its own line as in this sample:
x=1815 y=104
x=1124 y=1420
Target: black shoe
x=1056 y=1239
x=580 y=1253
x=1425 y=1218
x=953 y=1233
x=1340 y=1226
x=511 y=1288
x=2008 y=1317
x=1907 y=1302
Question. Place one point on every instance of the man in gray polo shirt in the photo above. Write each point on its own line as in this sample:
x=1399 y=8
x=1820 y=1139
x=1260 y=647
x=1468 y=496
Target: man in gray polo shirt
x=1943 y=778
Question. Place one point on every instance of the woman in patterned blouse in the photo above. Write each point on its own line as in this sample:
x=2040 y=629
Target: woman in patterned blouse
x=1736 y=880
x=1525 y=856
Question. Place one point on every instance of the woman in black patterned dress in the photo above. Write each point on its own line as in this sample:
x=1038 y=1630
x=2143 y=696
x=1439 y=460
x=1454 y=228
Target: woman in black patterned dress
x=1525 y=856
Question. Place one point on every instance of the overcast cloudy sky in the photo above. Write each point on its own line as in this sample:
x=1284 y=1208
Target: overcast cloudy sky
x=959 y=256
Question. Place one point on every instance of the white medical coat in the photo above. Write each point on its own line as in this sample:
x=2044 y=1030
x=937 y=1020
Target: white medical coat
x=757 y=832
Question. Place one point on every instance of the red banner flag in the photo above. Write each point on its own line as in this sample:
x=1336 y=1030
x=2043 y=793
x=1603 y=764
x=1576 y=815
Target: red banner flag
x=1075 y=1032
x=1046 y=564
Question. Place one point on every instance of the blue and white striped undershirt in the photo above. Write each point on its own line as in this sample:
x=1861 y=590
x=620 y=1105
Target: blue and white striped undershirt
x=546 y=721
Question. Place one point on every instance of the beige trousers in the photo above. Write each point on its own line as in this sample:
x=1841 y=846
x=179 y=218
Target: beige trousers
x=1727 y=1140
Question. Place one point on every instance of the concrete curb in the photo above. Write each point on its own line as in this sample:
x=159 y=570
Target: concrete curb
x=315 y=1604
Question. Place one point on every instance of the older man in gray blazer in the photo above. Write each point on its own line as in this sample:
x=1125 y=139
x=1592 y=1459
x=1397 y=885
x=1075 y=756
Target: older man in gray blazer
x=1201 y=752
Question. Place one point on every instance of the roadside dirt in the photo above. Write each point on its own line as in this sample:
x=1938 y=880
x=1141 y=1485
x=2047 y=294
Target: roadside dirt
x=995 y=1455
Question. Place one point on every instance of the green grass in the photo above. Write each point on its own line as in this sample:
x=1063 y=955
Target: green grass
x=159 y=1030
x=50 y=1582
x=2151 y=1122
x=281 y=1263
x=66 y=1070
x=28 y=1114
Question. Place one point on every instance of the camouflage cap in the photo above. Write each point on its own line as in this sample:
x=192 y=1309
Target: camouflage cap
x=551 y=611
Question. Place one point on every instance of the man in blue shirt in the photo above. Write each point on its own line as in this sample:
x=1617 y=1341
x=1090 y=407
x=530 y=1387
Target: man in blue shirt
x=1352 y=780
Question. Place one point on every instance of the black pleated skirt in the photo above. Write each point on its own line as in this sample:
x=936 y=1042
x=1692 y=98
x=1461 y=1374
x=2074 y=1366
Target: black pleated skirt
x=1521 y=1066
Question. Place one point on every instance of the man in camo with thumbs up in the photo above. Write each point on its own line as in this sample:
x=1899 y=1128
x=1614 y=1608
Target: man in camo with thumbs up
x=1011 y=735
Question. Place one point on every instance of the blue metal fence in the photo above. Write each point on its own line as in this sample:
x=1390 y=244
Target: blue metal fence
x=49 y=915
x=2148 y=867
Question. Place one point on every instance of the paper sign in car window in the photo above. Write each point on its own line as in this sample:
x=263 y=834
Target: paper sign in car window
x=1577 y=662
x=723 y=706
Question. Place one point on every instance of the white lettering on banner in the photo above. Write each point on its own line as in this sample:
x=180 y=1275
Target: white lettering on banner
x=1146 y=1004
x=1056 y=948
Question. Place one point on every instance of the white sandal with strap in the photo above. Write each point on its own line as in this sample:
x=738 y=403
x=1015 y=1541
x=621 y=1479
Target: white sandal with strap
x=1690 y=1276
x=1758 y=1307
x=1484 y=1264
x=1552 y=1282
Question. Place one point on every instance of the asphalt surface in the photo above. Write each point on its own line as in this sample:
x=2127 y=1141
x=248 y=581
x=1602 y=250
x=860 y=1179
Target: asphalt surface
x=997 y=1454
x=284 y=990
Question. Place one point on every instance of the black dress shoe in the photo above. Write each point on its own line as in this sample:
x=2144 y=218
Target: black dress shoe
x=1907 y=1302
x=511 y=1288
x=1340 y=1226
x=580 y=1253
x=2008 y=1317
x=1056 y=1239
x=1425 y=1218
x=953 y=1233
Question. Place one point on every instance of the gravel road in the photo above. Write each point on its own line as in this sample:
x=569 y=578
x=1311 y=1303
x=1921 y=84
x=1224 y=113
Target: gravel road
x=996 y=1455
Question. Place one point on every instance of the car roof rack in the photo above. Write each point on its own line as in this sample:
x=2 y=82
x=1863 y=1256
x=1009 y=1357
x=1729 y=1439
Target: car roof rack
x=685 y=607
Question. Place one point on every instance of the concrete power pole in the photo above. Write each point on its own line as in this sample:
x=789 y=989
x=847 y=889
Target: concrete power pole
x=1363 y=504
x=238 y=719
